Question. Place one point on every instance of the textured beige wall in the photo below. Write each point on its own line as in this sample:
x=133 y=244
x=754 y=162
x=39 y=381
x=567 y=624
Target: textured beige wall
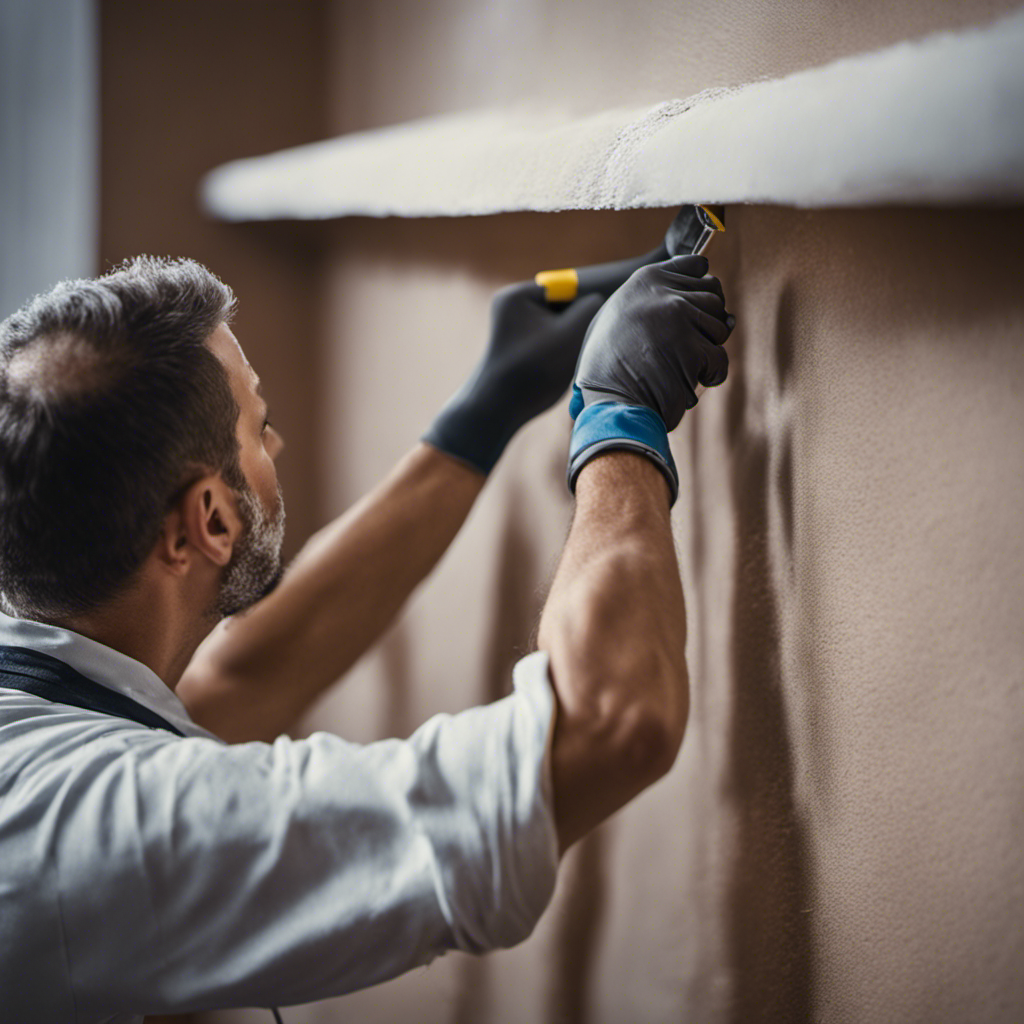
x=178 y=98
x=401 y=59
x=840 y=838
x=854 y=554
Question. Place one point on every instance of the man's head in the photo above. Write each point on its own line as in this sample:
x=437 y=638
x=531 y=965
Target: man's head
x=117 y=396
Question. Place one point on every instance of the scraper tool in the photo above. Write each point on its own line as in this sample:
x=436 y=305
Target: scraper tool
x=690 y=231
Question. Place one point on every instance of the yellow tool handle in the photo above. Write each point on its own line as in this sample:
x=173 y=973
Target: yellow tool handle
x=559 y=285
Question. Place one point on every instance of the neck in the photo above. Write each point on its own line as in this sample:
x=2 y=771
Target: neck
x=153 y=627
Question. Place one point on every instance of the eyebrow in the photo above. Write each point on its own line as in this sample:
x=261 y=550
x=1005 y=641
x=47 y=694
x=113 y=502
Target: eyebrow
x=259 y=394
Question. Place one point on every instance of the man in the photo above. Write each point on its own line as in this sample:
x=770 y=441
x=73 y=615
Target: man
x=148 y=866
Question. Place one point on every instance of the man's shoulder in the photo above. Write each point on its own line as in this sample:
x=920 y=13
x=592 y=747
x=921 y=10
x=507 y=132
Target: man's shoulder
x=38 y=734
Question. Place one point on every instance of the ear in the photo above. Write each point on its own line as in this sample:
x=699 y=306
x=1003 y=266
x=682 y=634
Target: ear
x=203 y=523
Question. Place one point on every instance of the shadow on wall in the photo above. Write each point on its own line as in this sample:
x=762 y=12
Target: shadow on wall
x=871 y=468
x=768 y=926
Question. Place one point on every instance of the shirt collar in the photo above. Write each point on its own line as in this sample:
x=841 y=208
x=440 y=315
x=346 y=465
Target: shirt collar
x=102 y=665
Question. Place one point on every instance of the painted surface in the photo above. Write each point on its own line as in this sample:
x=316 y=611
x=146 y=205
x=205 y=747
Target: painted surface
x=840 y=838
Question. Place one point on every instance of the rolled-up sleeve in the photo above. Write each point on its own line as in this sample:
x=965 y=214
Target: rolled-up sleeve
x=193 y=875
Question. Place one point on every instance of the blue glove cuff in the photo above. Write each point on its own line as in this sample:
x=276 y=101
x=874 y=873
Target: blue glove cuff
x=614 y=426
x=576 y=403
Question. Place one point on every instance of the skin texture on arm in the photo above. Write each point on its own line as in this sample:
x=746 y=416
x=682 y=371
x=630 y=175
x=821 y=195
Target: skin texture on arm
x=258 y=671
x=614 y=627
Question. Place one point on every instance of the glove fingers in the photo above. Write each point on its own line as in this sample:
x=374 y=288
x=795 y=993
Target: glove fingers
x=716 y=366
x=517 y=295
x=711 y=327
x=686 y=266
x=709 y=302
x=711 y=283
x=690 y=274
x=685 y=283
x=521 y=310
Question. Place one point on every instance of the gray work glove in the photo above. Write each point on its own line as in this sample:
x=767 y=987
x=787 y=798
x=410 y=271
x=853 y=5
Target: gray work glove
x=655 y=340
x=526 y=368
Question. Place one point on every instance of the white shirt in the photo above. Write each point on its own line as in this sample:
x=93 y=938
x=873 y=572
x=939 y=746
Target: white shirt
x=142 y=872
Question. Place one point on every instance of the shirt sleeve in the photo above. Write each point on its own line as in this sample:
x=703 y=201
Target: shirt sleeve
x=196 y=875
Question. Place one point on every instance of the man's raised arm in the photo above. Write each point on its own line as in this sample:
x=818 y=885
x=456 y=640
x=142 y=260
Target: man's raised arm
x=614 y=626
x=257 y=672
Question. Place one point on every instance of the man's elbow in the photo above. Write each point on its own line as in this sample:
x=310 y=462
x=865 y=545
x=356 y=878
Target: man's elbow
x=606 y=752
x=637 y=732
x=646 y=742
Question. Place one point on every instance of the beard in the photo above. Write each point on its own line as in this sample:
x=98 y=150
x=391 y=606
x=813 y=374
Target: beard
x=255 y=568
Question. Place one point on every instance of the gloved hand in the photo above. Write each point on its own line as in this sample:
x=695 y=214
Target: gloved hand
x=526 y=368
x=655 y=340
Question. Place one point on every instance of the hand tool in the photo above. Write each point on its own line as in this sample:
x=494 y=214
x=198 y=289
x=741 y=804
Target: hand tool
x=690 y=231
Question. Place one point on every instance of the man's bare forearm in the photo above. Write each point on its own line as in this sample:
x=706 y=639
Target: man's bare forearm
x=257 y=672
x=615 y=630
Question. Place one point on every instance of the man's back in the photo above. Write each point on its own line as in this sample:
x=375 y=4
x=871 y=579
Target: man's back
x=217 y=875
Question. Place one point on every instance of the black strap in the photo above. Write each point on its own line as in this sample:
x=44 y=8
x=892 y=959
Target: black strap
x=39 y=674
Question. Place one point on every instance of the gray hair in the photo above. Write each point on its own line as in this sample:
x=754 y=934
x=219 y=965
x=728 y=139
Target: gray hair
x=111 y=404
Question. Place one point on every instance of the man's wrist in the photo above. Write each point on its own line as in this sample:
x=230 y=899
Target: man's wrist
x=621 y=476
x=614 y=426
x=457 y=472
x=471 y=431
